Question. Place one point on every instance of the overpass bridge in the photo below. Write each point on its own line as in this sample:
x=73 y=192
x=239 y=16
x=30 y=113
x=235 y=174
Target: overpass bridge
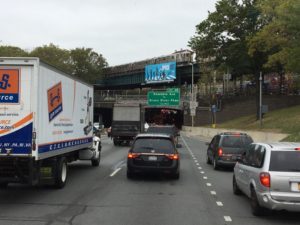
x=132 y=75
x=117 y=80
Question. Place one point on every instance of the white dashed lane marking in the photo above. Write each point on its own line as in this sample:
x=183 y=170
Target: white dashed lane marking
x=213 y=193
x=219 y=203
x=115 y=172
x=227 y=219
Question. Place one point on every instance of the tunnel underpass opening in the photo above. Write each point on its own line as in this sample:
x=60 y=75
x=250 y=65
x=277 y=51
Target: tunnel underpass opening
x=164 y=116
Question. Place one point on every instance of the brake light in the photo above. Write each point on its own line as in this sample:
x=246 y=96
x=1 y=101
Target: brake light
x=220 y=152
x=173 y=156
x=298 y=149
x=265 y=179
x=133 y=155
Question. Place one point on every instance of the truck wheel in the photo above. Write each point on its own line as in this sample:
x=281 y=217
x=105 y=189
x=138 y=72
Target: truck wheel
x=116 y=142
x=61 y=173
x=96 y=161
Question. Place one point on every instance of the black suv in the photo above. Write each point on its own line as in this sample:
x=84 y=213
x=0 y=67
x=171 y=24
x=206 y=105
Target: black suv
x=155 y=153
x=226 y=148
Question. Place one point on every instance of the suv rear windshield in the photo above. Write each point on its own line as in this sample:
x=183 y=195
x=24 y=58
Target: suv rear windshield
x=285 y=161
x=159 y=145
x=236 y=141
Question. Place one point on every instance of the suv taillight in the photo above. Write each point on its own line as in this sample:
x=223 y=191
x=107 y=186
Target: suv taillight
x=173 y=156
x=220 y=152
x=133 y=155
x=265 y=179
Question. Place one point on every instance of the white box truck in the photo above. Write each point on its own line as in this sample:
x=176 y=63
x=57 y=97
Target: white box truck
x=46 y=121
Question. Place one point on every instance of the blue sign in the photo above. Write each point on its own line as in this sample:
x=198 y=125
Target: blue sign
x=164 y=72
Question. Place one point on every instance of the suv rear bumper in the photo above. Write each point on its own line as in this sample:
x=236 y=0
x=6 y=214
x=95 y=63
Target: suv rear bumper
x=267 y=201
x=226 y=163
x=174 y=168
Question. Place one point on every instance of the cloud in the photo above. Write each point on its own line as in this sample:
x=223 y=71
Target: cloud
x=122 y=30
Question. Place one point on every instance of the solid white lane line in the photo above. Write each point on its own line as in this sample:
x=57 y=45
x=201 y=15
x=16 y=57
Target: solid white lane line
x=115 y=172
x=227 y=219
x=213 y=193
x=205 y=178
x=208 y=184
x=219 y=203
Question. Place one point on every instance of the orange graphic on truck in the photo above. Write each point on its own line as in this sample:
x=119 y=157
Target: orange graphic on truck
x=9 y=86
x=55 y=105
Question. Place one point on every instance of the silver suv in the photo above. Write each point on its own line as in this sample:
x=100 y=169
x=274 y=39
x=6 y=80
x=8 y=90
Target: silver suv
x=269 y=174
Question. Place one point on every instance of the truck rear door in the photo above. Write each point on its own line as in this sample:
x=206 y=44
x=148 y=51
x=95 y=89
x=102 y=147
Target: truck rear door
x=16 y=114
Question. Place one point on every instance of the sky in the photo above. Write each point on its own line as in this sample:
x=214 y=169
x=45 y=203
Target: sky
x=123 y=31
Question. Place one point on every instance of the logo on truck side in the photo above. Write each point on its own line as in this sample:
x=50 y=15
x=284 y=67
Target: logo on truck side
x=55 y=105
x=9 y=85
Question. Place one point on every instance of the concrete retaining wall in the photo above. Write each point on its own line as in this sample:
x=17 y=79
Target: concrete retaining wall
x=257 y=136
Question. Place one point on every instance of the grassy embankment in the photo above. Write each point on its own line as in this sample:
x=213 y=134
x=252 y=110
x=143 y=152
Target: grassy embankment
x=281 y=121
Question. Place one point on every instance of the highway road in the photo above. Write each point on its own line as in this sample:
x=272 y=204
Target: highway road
x=103 y=195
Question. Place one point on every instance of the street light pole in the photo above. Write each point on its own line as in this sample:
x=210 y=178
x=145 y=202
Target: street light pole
x=260 y=98
x=193 y=89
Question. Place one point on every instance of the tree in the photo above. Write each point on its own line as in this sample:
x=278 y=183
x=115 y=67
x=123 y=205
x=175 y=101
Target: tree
x=224 y=33
x=55 y=56
x=280 y=37
x=87 y=64
x=12 y=51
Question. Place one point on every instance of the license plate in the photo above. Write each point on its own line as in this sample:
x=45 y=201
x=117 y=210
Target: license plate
x=152 y=158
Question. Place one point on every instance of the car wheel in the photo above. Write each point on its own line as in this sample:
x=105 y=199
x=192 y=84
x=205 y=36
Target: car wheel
x=235 y=187
x=256 y=209
x=215 y=164
x=208 y=160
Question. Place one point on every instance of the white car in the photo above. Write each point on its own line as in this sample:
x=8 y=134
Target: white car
x=269 y=174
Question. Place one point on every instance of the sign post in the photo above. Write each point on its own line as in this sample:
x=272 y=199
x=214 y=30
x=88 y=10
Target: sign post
x=170 y=97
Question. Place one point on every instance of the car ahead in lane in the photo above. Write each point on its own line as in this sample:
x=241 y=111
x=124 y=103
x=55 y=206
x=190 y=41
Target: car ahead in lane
x=154 y=153
x=269 y=174
x=166 y=129
x=226 y=148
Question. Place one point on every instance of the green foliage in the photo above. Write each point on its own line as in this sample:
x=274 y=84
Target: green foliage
x=280 y=35
x=55 y=56
x=87 y=64
x=83 y=63
x=223 y=35
x=11 y=51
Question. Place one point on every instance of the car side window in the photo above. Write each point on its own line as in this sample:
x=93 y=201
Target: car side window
x=259 y=155
x=212 y=143
x=248 y=156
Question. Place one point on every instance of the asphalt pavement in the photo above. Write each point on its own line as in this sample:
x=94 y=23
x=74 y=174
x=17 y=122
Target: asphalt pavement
x=103 y=195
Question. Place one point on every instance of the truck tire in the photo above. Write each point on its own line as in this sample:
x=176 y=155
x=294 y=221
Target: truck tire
x=116 y=142
x=61 y=172
x=96 y=161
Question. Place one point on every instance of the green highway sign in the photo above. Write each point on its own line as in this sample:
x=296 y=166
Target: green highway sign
x=170 y=97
